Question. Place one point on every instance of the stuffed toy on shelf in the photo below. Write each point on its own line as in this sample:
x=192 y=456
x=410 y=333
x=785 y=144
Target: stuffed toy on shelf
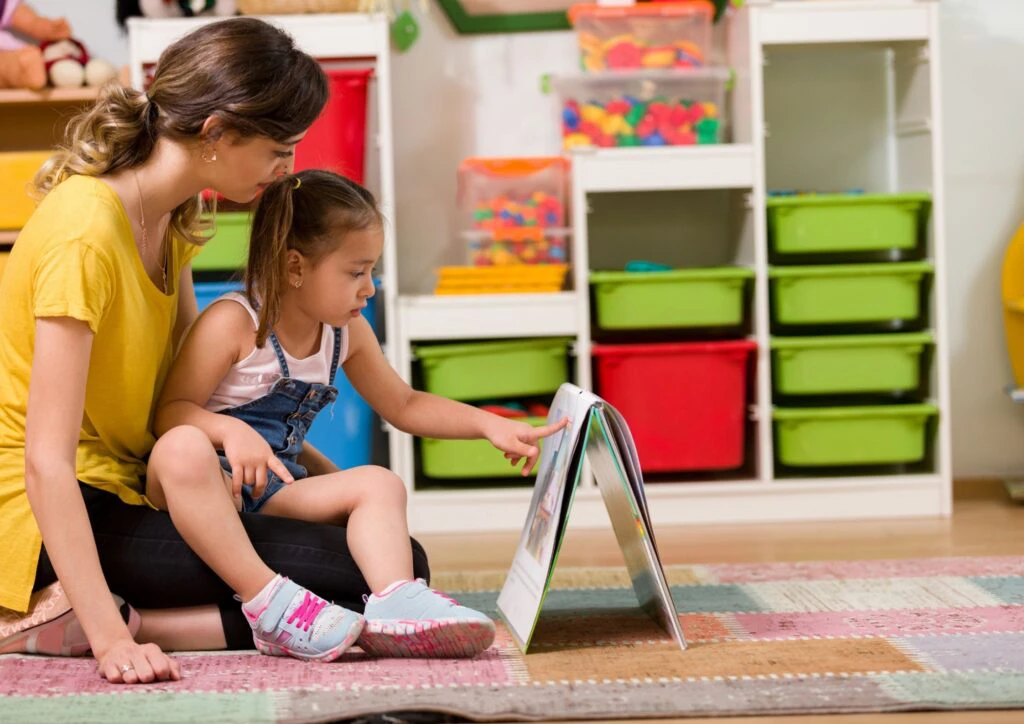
x=59 y=59
x=21 y=63
x=68 y=65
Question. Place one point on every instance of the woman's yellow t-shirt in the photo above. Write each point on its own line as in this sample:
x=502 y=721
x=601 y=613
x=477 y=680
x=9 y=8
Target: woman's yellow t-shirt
x=76 y=257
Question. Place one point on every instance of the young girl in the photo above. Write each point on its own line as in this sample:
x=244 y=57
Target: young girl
x=254 y=372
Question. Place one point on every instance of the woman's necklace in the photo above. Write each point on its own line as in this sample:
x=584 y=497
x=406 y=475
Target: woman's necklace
x=145 y=236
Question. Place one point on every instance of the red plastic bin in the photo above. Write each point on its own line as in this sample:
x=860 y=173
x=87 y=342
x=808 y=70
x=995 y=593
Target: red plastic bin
x=685 y=403
x=337 y=139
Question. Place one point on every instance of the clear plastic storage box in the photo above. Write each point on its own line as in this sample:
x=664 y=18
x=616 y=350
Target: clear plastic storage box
x=643 y=108
x=653 y=35
x=503 y=193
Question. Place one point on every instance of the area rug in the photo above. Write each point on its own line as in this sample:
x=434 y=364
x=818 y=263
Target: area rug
x=783 y=638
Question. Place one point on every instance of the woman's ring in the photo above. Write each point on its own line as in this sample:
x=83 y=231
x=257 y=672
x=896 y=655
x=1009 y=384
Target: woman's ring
x=125 y=668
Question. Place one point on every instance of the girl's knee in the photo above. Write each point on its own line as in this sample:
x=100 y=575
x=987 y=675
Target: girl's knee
x=384 y=483
x=182 y=454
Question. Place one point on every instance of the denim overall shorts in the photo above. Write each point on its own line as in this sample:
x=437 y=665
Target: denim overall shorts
x=283 y=417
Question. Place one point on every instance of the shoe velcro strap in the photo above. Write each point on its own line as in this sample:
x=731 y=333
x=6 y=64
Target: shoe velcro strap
x=278 y=606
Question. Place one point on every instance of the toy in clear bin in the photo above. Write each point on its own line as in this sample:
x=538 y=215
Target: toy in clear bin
x=510 y=246
x=643 y=108
x=539 y=210
x=511 y=193
x=656 y=35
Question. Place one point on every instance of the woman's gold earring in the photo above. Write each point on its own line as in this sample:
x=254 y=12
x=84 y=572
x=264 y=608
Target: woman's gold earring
x=297 y=283
x=212 y=156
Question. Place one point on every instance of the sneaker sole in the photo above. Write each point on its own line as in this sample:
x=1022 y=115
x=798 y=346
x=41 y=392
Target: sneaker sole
x=443 y=638
x=269 y=649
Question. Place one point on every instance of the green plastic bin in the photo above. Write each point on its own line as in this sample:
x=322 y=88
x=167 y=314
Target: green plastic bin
x=461 y=459
x=823 y=437
x=830 y=223
x=848 y=293
x=848 y=364
x=228 y=249
x=490 y=370
x=677 y=299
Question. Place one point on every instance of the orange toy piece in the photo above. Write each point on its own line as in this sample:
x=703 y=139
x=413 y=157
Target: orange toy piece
x=1013 y=304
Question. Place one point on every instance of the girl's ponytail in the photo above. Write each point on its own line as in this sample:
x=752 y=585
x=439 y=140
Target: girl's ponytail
x=266 y=273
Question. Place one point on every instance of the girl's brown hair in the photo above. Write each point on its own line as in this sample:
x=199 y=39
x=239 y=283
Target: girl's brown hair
x=311 y=212
x=244 y=71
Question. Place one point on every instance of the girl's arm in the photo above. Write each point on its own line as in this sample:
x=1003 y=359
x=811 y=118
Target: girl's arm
x=217 y=340
x=55 y=405
x=428 y=415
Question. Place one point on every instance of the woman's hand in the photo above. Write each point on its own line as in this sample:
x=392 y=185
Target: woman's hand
x=516 y=439
x=128 y=662
x=250 y=457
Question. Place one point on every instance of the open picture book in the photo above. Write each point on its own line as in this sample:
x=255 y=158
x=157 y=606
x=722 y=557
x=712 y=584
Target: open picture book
x=598 y=433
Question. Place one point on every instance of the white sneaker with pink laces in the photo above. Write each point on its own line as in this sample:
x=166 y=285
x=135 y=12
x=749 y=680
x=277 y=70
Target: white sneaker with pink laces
x=410 y=619
x=288 y=620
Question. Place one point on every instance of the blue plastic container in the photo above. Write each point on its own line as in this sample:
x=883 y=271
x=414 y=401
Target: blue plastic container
x=206 y=292
x=344 y=431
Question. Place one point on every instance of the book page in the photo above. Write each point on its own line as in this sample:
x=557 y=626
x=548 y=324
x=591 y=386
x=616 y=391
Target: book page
x=619 y=430
x=522 y=596
x=623 y=493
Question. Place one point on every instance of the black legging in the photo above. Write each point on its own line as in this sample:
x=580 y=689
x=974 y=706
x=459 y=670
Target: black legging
x=149 y=565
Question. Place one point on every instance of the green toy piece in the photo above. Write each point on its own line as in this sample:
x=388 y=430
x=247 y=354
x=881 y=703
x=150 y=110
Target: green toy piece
x=721 y=5
x=405 y=31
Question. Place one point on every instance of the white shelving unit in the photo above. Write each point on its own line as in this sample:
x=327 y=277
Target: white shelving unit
x=884 y=54
x=723 y=166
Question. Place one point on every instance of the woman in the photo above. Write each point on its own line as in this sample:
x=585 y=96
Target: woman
x=97 y=293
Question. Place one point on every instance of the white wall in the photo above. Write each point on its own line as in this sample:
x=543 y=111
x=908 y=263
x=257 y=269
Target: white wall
x=93 y=22
x=456 y=96
x=982 y=55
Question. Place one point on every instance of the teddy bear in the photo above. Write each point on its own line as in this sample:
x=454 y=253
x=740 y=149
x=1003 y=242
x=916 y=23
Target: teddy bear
x=21 y=63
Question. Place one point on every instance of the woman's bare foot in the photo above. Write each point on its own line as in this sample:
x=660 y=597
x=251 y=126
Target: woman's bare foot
x=22 y=68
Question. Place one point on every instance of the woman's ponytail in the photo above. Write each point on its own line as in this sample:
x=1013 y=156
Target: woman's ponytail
x=118 y=131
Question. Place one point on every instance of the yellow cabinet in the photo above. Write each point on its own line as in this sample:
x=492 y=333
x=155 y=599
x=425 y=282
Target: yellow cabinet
x=17 y=169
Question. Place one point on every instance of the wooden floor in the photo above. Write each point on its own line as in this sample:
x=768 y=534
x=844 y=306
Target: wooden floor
x=984 y=522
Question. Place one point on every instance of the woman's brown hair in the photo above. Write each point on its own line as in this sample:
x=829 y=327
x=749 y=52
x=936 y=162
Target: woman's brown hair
x=311 y=212
x=244 y=71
